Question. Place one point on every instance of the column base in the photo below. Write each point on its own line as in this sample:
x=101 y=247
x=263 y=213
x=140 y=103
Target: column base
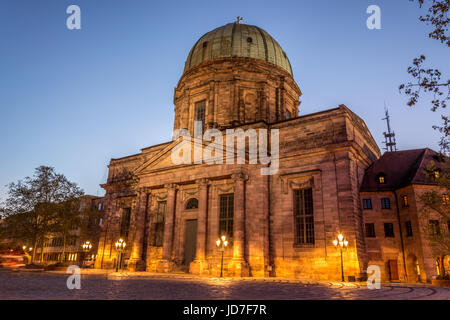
x=136 y=265
x=164 y=266
x=238 y=268
x=198 y=267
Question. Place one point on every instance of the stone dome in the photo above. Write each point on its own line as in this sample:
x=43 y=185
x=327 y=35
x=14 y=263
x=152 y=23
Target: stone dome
x=238 y=40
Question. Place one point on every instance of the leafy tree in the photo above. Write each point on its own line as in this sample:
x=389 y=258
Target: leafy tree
x=429 y=80
x=435 y=212
x=34 y=205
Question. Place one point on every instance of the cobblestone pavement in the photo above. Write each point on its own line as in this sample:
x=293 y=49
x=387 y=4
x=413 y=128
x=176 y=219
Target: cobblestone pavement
x=47 y=285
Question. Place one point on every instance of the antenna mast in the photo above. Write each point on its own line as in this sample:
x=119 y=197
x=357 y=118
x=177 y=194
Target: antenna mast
x=389 y=137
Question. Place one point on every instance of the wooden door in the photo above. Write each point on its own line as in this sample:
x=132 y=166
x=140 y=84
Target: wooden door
x=190 y=241
x=393 y=270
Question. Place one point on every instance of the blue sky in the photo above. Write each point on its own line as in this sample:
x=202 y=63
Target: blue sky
x=73 y=99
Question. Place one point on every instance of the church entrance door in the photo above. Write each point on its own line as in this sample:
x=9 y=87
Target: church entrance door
x=190 y=241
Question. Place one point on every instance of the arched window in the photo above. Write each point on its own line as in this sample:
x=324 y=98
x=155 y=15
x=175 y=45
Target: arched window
x=192 y=204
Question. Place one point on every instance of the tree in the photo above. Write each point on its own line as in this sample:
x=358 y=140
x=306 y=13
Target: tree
x=435 y=212
x=429 y=80
x=33 y=204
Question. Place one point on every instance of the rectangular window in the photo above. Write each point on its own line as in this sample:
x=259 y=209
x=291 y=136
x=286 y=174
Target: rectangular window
x=434 y=227
x=389 y=230
x=303 y=216
x=226 y=215
x=125 y=223
x=200 y=113
x=405 y=202
x=367 y=203
x=160 y=219
x=385 y=203
x=409 y=232
x=370 y=230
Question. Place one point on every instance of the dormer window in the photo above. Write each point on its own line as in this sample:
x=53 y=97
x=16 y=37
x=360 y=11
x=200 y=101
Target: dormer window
x=436 y=174
x=381 y=179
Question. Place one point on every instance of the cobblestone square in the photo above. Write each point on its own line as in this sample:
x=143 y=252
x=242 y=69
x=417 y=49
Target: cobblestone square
x=145 y=286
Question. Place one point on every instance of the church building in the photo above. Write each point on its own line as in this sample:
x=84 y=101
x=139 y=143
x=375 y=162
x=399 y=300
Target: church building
x=170 y=215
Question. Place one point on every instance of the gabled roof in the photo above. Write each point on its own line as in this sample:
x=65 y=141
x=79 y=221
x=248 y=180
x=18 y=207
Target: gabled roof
x=400 y=168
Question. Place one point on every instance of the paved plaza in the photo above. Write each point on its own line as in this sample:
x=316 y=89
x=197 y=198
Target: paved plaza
x=52 y=285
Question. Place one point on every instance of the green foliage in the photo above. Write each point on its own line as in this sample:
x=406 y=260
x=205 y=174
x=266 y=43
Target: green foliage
x=39 y=205
x=436 y=207
x=429 y=80
x=443 y=277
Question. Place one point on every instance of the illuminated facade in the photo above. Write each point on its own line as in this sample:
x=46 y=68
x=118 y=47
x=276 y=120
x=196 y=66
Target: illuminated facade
x=171 y=215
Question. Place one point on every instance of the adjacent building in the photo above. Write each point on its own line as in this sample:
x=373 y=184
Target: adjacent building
x=395 y=234
x=53 y=250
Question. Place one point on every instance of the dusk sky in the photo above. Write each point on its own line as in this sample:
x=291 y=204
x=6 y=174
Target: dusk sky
x=74 y=99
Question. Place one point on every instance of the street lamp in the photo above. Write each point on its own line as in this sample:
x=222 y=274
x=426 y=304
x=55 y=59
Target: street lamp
x=221 y=244
x=341 y=242
x=87 y=246
x=120 y=247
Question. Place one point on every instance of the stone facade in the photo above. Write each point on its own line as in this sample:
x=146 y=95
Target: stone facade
x=325 y=152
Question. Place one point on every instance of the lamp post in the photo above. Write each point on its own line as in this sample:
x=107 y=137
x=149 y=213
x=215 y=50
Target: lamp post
x=341 y=242
x=87 y=246
x=120 y=247
x=221 y=244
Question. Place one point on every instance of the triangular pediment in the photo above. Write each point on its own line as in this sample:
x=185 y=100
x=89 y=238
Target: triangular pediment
x=163 y=159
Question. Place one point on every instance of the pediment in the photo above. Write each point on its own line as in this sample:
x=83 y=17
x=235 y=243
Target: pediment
x=163 y=159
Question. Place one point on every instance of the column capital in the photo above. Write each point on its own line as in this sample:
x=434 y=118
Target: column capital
x=202 y=182
x=239 y=176
x=143 y=190
x=171 y=186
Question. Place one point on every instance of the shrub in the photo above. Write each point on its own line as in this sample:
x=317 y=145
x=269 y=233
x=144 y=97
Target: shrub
x=441 y=277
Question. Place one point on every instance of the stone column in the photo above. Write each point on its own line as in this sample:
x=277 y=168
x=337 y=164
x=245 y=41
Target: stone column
x=166 y=265
x=198 y=265
x=239 y=266
x=136 y=263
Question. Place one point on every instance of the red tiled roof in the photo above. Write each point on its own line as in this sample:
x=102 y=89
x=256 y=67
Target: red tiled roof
x=400 y=168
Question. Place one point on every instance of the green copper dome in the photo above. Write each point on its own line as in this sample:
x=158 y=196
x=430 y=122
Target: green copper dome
x=238 y=40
